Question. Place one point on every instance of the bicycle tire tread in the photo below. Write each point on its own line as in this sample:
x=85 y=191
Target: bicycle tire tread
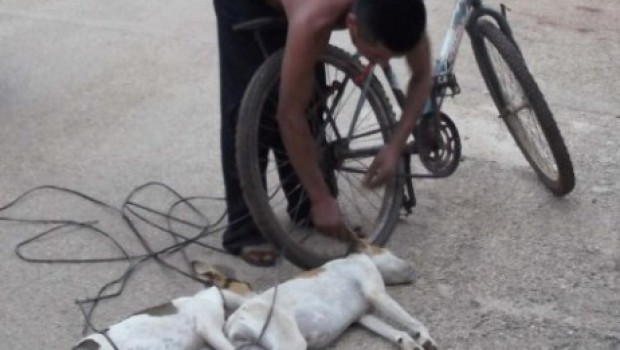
x=515 y=61
x=262 y=214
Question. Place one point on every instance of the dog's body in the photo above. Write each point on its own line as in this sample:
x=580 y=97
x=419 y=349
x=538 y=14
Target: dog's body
x=186 y=323
x=314 y=309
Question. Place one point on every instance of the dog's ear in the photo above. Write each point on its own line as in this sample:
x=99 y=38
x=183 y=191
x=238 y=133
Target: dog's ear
x=225 y=271
x=206 y=272
x=218 y=275
x=199 y=266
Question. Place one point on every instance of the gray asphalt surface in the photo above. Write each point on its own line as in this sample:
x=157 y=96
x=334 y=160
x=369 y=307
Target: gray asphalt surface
x=103 y=96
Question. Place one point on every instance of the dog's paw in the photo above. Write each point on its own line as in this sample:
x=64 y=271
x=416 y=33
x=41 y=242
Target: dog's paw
x=429 y=345
x=406 y=342
x=425 y=339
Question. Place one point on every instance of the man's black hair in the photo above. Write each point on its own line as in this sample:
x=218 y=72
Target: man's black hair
x=397 y=24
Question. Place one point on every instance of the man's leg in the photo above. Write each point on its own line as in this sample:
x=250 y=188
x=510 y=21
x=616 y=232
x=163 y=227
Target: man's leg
x=240 y=56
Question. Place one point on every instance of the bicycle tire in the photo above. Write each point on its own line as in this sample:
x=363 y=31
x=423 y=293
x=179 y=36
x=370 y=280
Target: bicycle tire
x=252 y=180
x=564 y=181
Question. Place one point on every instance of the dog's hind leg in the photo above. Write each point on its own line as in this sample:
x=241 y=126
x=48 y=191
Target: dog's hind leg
x=278 y=336
x=386 y=305
x=218 y=341
x=250 y=347
x=253 y=324
x=378 y=326
x=210 y=327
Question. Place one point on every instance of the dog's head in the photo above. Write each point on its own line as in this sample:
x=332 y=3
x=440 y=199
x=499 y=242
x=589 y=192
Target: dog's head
x=393 y=269
x=220 y=277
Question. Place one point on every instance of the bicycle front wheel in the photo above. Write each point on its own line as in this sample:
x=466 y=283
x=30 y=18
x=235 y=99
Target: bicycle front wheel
x=346 y=145
x=523 y=108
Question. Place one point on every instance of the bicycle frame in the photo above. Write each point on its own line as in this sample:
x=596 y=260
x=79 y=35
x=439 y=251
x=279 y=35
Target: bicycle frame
x=443 y=76
x=465 y=13
x=443 y=71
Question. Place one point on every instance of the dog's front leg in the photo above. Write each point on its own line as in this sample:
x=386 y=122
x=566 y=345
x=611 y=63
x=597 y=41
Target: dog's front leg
x=386 y=305
x=378 y=326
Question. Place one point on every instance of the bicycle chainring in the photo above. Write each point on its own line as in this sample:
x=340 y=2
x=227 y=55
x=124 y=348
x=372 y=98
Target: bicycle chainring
x=438 y=144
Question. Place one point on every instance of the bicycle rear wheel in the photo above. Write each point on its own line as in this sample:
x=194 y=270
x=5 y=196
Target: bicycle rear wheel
x=277 y=202
x=523 y=108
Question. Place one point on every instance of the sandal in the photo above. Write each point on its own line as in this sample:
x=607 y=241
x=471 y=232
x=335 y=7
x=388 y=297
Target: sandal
x=261 y=255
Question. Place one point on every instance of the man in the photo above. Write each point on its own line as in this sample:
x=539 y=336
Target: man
x=380 y=29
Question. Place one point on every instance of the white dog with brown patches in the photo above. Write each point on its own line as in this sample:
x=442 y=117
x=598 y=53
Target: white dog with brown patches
x=187 y=323
x=314 y=309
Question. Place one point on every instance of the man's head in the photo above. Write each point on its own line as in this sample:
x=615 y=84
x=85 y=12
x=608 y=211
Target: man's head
x=384 y=28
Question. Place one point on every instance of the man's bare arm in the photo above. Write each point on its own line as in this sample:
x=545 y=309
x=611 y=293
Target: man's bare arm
x=303 y=47
x=307 y=37
x=383 y=167
x=419 y=60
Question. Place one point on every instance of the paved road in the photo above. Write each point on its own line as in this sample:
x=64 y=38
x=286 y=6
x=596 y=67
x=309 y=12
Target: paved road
x=103 y=96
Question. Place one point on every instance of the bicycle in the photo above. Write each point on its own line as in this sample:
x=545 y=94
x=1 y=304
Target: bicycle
x=349 y=136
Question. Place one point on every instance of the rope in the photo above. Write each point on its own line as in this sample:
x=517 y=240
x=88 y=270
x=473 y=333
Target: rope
x=132 y=212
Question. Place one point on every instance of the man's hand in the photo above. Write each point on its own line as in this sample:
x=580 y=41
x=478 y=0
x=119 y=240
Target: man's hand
x=327 y=218
x=383 y=167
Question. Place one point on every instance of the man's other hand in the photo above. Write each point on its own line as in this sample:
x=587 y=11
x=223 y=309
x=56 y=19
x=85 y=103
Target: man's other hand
x=383 y=167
